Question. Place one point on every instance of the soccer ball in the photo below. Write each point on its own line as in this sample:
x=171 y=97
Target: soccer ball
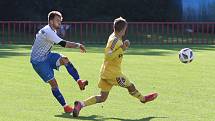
x=186 y=55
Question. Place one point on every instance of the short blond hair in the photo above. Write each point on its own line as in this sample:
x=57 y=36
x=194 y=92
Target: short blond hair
x=119 y=24
x=52 y=14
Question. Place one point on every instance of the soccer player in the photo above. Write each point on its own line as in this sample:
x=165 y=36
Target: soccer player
x=111 y=73
x=44 y=61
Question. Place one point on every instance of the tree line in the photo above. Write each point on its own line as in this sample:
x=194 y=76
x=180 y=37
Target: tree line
x=92 y=10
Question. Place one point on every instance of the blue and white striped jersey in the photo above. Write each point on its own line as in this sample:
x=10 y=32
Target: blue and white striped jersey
x=45 y=39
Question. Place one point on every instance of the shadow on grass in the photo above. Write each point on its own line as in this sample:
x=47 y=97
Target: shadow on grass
x=149 y=50
x=7 y=51
x=156 y=50
x=142 y=119
x=7 y=54
x=15 y=46
x=101 y=118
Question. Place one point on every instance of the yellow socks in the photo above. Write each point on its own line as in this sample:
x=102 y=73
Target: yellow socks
x=90 y=101
x=137 y=94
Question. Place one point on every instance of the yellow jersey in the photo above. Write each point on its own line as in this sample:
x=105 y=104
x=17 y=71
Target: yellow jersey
x=111 y=68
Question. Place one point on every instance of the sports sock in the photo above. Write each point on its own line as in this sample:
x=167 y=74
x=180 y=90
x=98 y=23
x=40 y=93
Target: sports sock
x=72 y=71
x=57 y=94
x=137 y=94
x=90 y=101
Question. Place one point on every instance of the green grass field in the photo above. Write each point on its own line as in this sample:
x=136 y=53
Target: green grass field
x=186 y=91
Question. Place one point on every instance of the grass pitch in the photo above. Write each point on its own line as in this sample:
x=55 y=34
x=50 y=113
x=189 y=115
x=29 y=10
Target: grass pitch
x=186 y=91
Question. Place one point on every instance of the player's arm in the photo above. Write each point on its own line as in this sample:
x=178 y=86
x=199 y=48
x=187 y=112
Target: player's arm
x=68 y=44
x=112 y=53
x=113 y=49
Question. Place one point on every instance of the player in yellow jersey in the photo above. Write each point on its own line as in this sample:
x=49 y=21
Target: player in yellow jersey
x=111 y=73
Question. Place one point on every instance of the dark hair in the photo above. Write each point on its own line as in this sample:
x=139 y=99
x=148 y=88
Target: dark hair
x=119 y=24
x=52 y=14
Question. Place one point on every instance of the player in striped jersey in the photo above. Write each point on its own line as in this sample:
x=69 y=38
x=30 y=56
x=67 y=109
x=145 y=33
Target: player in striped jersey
x=44 y=61
x=111 y=73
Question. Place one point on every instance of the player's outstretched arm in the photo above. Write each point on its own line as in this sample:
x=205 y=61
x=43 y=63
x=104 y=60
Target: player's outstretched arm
x=75 y=45
x=68 y=44
x=111 y=54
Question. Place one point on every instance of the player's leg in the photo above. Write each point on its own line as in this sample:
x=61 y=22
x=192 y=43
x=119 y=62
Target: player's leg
x=124 y=82
x=96 y=99
x=78 y=105
x=105 y=88
x=70 y=68
x=56 y=60
x=135 y=93
x=45 y=71
x=57 y=94
x=73 y=72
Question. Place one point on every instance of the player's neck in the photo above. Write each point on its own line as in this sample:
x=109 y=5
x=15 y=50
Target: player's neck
x=118 y=35
x=52 y=27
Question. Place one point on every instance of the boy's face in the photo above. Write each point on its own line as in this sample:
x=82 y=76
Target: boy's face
x=56 y=22
x=124 y=30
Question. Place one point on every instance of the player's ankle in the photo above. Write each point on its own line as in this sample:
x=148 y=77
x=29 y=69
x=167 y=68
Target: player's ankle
x=82 y=103
x=65 y=105
x=143 y=100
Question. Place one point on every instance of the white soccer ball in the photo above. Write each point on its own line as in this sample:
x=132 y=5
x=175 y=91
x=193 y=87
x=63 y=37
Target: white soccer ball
x=186 y=55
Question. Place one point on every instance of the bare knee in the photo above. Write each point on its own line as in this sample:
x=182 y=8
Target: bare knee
x=102 y=97
x=53 y=84
x=64 y=60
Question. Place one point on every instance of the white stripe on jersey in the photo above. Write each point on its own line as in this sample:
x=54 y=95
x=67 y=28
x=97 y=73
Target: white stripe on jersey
x=43 y=43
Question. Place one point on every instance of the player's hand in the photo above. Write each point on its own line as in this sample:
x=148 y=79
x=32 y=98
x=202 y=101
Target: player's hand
x=125 y=44
x=82 y=48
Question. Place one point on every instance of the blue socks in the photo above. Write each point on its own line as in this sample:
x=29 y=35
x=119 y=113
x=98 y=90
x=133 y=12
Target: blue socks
x=58 y=96
x=72 y=71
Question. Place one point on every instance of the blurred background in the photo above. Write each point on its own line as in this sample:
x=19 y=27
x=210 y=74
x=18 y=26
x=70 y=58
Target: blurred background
x=106 y=10
x=90 y=21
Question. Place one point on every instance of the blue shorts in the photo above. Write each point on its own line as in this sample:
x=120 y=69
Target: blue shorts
x=45 y=68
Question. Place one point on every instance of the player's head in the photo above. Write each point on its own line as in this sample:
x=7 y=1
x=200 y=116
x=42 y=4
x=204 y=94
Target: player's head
x=120 y=26
x=54 y=19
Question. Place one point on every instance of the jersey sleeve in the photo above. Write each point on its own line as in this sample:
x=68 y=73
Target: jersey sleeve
x=113 y=49
x=52 y=36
